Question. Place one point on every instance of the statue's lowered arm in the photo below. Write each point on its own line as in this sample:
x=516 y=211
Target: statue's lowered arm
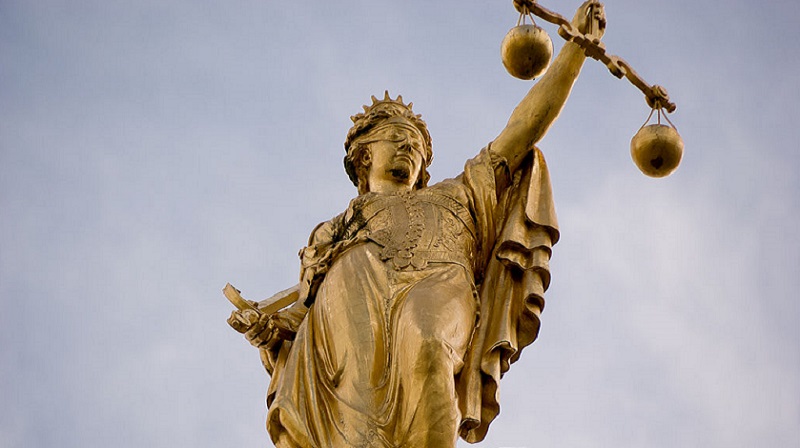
x=267 y=323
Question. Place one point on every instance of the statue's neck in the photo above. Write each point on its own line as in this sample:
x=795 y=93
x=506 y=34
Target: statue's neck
x=388 y=186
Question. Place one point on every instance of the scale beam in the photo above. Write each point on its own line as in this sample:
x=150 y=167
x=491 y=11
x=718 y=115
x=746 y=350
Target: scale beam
x=656 y=96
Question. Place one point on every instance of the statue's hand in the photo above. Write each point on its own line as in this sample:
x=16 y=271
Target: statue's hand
x=257 y=327
x=263 y=334
x=243 y=320
x=590 y=18
x=268 y=330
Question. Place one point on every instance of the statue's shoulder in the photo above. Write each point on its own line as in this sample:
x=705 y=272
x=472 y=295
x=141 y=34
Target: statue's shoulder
x=327 y=231
x=453 y=186
x=479 y=176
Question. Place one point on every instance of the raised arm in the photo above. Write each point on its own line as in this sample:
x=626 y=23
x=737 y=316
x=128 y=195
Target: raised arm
x=541 y=106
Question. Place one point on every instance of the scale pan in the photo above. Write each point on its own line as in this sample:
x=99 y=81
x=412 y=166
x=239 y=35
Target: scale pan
x=657 y=150
x=526 y=51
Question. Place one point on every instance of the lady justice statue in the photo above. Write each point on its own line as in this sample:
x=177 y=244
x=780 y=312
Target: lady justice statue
x=414 y=301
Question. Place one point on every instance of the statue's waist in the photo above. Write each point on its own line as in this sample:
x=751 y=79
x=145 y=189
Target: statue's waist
x=407 y=251
x=418 y=259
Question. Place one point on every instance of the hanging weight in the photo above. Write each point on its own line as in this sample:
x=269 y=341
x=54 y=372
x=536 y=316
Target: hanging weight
x=657 y=150
x=526 y=51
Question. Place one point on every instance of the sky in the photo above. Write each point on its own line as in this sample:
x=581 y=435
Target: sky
x=152 y=151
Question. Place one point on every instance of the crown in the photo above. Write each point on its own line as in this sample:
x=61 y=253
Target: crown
x=387 y=105
x=386 y=110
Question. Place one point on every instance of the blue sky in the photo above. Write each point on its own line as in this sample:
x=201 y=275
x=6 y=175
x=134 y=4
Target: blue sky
x=152 y=151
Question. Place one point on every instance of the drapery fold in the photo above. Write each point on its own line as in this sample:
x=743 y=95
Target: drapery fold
x=512 y=292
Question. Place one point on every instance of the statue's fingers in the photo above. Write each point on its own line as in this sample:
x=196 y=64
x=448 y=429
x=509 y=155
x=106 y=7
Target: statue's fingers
x=264 y=318
x=239 y=322
x=261 y=320
x=263 y=330
x=235 y=323
x=251 y=315
x=271 y=338
x=600 y=14
x=257 y=339
x=257 y=328
x=583 y=15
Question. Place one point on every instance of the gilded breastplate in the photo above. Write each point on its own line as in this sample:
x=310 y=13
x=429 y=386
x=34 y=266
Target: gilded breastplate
x=415 y=228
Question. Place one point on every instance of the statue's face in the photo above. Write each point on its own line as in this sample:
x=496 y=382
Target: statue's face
x=397 y=154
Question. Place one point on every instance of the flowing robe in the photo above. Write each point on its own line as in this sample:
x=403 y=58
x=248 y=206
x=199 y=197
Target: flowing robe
x=421 y=300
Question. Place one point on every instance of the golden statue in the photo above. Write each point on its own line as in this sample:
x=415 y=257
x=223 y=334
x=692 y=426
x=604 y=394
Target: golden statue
x=415 y=300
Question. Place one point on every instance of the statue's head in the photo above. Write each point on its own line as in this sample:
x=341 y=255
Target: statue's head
x=386 y=120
